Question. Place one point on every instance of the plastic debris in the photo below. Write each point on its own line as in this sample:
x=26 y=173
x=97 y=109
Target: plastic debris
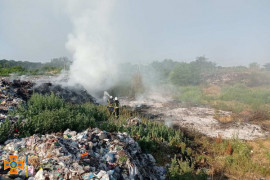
x=84 y=155
x=39 y=175
x=91 y=154
x=134 y=121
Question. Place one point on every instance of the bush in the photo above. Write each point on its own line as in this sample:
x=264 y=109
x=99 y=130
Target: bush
x=185 y=74
x=49 y=113
x=191 y=94
x=191 y=73
x=5 y=71
x=184 y=170
x=5 y=130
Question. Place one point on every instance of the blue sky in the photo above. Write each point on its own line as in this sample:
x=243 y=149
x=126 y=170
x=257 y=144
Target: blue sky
x=227 y=32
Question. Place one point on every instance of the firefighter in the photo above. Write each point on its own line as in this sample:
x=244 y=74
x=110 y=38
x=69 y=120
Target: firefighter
x=116 y=108
x=110 y=105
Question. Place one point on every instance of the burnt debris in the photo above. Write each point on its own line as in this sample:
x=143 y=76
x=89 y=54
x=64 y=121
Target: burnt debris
x=14 y=92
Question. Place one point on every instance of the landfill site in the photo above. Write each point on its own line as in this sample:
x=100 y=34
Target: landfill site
x=134 y=90
x=91 y=154
x=95 y=153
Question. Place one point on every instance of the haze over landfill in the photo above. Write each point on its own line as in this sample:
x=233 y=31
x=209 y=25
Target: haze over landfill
x=135 y=89
x=227 y=32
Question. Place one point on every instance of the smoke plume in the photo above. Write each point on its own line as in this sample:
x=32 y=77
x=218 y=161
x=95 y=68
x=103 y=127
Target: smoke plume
x=91 y=44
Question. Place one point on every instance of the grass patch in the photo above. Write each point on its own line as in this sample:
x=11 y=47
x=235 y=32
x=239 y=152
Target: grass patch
x=239 y=98
x=236 y=98
x=233 y=156
x=190 y=94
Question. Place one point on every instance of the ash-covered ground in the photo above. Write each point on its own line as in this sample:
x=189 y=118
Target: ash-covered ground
x=159 y=107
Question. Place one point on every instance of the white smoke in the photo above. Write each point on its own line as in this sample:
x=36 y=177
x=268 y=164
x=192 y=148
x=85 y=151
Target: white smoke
x=91 y=44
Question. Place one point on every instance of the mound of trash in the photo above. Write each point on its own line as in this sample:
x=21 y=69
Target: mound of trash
x=14 y=92
x=91 y=154
x=24 y=90
x=69 y=94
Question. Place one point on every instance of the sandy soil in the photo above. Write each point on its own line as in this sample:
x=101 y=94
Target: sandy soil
x=200 y=119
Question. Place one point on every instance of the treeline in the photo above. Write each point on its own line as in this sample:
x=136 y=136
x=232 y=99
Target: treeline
x=133 y=79
x=199 y=71
x=8 y=67
x=192 y=73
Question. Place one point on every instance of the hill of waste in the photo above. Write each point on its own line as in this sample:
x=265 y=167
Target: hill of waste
x=91 y=153
x=14 y=92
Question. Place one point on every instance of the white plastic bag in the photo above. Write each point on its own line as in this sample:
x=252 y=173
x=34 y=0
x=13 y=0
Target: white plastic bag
x=39 y=175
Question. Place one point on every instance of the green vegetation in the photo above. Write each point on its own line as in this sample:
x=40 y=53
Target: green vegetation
x=242 y=90
x=267 y=66
x=161 y=141
x=46 y=114
x=55 y=66
x=184 y=74
x=233 y=156
x=236 y=98
x=5 y=71
x=268 y=156
x=237 y=89
x=49 y=113
x=123 y=159
x=183 y=170
x=191 y=73
x=5 y=130
x=190 y=94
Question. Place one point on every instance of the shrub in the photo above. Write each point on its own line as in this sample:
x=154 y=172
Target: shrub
x=49 y=113
x=184 y=170
x=185 y=74
x=5 y=128
x=191 y=94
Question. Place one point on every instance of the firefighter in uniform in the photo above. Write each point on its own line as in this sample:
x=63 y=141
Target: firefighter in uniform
x=116 y=108
x=110 y=105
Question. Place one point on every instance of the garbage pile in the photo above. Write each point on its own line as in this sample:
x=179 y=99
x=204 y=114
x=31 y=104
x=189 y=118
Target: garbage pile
x=91 y=154
x=14 y=92
x=11 y=94
x=69 y=94
x=24 y=90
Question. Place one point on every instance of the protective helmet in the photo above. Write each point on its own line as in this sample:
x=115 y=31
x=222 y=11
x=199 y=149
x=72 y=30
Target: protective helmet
x=110 y=97
x=115 y=98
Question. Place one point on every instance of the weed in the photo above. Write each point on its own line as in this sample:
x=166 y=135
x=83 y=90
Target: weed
x=183 y=170
x=122 y=159
x=268 y=156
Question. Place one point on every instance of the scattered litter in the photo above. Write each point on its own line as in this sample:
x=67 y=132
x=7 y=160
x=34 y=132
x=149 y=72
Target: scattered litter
x=134 y=121
x=91 y=154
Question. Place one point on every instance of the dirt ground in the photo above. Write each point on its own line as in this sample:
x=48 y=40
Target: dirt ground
x=160 y=107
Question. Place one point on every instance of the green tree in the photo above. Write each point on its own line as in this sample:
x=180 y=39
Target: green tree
x=185 y=74
x=164 y=67
x=254 y=66
x=202 y=65
x=267 y=66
